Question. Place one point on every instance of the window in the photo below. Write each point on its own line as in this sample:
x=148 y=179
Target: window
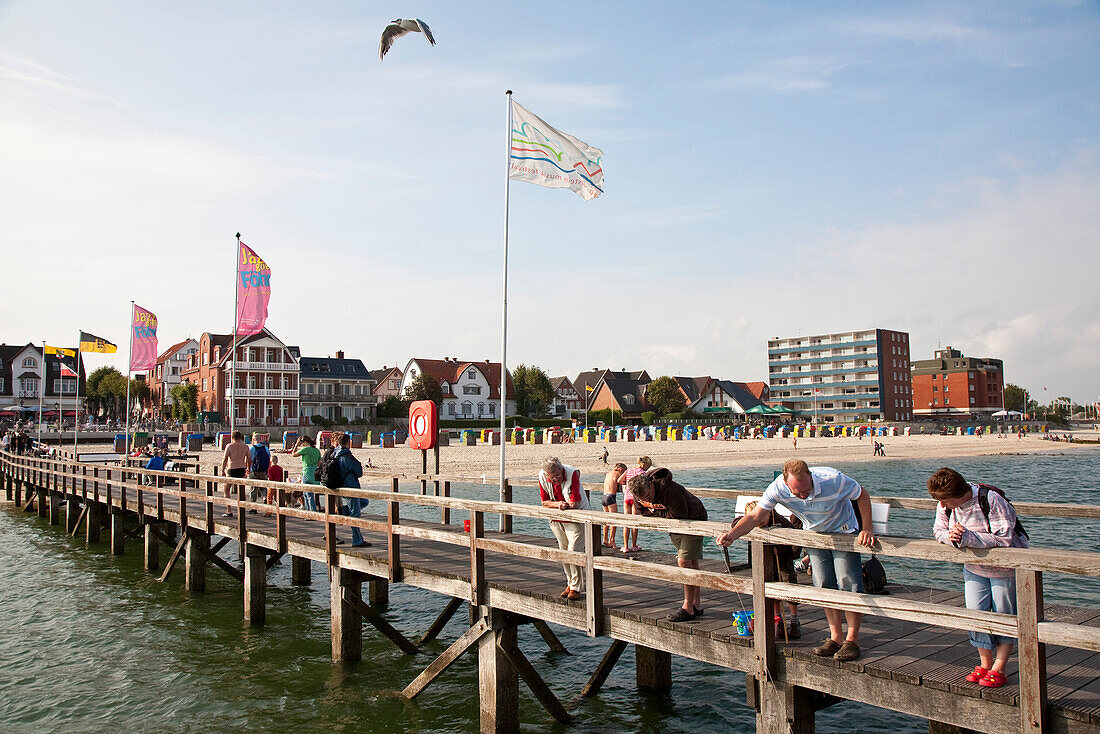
x=492 y=408
x=269 y=382
x=450 y=408
x=309 y=388
x=30 y=362
x=628 y=400
x=205 y=358
x=471 y=389
x=204 y=390
x=467 y=408
x=393 y=384
x=971 y=388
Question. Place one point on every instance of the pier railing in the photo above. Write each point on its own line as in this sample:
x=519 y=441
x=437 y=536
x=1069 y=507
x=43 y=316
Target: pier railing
x=157 y=500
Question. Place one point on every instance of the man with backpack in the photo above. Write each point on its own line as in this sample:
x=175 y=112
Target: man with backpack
x=261 y=460
x=338 y=469
x=825 y=500
x=974 y=515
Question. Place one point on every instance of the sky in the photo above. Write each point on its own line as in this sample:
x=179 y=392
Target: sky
x=770 y=170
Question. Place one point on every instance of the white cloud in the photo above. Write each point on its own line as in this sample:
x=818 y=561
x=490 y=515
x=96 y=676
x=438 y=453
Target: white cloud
x=787 y=74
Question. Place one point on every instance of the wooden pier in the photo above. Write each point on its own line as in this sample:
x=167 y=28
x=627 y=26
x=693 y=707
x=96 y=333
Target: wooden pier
x=915 y=654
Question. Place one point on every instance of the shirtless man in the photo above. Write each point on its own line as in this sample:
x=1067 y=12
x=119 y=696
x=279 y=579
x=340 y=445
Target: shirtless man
x=611 y=502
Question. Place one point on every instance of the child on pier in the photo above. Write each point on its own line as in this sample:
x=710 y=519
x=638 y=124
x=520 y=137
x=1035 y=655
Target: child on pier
x=974 y=515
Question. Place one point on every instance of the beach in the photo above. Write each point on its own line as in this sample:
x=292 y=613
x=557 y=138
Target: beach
x=523 y=461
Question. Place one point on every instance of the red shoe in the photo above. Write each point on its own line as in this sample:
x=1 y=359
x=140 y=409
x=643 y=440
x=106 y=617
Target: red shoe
x=993 y=679
x=977 y=675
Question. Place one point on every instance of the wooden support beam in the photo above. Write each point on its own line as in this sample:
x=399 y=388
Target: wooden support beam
x=347 y=623
x=378 y=592
x=438 y=666
x=93 y=521
x=549 y=637
x=118 y=534
x=535 y=682
x=172 y=559
x=301 y=570
x=152 y=548
x=194 y=561
x=55 y=508
x=393 y=540
x=607 y=664
x=593 y=579
x=441 y=621
x=654 y=668
x=1032 y=653
x=445 y=512
x=377 y=621
x=43 y=506
x=73 y=515
x=273 y=559
x=498 y=684
x=478 y=591
x=211 y=555
x=782 y=708
x=938 y=727
x=763 y=570
x=255 y=585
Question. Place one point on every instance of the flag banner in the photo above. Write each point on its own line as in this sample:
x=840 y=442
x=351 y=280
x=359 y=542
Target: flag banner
x=547 y=157
x=60 y=351
x=93 y=343
x=143 y=352
x=589 y=388
x=253 y=291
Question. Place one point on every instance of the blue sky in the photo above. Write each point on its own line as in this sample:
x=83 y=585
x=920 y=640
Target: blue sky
x=770 y=169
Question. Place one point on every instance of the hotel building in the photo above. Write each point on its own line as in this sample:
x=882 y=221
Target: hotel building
x=844 y=377
x=953 y=386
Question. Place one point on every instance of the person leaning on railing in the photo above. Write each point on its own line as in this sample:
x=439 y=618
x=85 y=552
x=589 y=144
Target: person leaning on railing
x=821 y=497
x=560 y=488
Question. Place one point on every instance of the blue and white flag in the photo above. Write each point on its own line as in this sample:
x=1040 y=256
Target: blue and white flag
x=548 y=157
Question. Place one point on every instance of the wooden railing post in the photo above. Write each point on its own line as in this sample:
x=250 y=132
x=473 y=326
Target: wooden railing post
x=445 y=512
x=210 y=484
x=393 y=540
x=280 y=519
x=593 y=578
x=1032 y=653
x=506 y=496
x=763 y=612
x=478 y=592
x=330 y=531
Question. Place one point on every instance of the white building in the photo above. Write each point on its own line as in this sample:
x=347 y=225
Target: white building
x=470 y=389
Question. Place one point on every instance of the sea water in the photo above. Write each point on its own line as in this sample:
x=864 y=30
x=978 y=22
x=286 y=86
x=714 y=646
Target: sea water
x=91 y=642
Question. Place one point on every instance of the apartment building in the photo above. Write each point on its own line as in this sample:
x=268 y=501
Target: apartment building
x=168 y=372
x=844 y=377
x=336 y=387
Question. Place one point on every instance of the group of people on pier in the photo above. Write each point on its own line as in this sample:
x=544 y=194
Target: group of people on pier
x=819 y=500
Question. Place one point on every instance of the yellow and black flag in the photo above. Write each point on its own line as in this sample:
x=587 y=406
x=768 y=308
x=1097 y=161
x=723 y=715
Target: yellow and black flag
x=60 y=351
x=92 y=343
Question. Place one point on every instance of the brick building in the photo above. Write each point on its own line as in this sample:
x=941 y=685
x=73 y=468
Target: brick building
x=953 y=386
x=168 y=372
x=266 y=378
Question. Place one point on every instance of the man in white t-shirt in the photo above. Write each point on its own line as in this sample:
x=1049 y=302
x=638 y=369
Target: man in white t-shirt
x=821 y=497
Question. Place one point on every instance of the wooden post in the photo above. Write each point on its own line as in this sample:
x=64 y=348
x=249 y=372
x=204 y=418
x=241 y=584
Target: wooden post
x=498 y=683
x=55 y=508
x=938 y=727
x=196 y=549
x=506 y=496
x=593 y=579
x=607 y=664
x=301 y=570
x=445 y=512
x=393 y=540
x=152 y=549
x=478 y=593
x=782 y=708
x=423 y=471
x=42 y=509
x=255 y=585
x=347 y=622
x=378 y=592
x=9 y=486
x=763 y=570
x=654 y=668
x=72 y=512
x=1032 y=653
x=118 y=534
x=92 y=522
x=17 y=490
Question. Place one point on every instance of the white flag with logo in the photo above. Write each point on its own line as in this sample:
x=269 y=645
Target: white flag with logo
x=548 y=157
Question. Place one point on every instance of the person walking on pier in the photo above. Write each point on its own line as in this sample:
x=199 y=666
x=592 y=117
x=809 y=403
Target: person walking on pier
x=560 y=488
x=971 y=515
x=235 y=461
x=261 y=460
x=821 y=497
x=349 y=469
x=306 y=449
x=656 y=495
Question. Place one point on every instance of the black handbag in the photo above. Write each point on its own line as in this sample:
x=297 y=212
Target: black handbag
x=874 y=577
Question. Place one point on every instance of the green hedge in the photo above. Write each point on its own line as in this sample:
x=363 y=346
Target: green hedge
x=511 y=421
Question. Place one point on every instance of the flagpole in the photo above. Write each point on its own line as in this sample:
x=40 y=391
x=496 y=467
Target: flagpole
x=41 y=392
x=504 y=298
x=233 y=353
x=129 y=362
x=76 y=407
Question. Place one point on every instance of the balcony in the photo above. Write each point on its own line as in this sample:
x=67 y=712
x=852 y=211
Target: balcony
x=323 y=399
x=266 y=366
x=249 y=392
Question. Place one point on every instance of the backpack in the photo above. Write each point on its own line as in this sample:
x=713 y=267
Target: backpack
x=983 y=503
x=261 y=460
x=874 y=577
x=330 y=474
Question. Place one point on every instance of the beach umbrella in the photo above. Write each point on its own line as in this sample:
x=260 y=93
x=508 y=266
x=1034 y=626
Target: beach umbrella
x=758 y=409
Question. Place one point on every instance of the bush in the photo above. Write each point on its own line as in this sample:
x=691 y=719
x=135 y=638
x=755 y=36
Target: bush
x=320 y=420
x=342 y=421
x=648 y=417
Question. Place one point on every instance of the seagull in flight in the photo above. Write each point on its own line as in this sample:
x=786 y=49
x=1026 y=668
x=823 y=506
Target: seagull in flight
x=400 y=27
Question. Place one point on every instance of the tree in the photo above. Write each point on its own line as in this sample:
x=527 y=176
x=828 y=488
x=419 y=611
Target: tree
x=664 y=396
x=393 y=407
x=534 y=393
x=424 y=387
x=111 y=392
x=1014 y=397
x=185 y=402
x=96 y=404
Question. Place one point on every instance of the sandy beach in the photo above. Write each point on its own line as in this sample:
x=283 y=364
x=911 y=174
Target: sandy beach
x=523 y=461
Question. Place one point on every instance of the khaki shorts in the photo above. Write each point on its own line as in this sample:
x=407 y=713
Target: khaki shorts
x=688 y=547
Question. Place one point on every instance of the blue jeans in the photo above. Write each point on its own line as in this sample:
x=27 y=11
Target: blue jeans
x=353 y=507
x=842 y=570
x=989 y=595
x=309 y=499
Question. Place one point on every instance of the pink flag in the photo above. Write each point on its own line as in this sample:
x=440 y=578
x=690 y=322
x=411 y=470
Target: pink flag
x=143 y=353
x=253 y=291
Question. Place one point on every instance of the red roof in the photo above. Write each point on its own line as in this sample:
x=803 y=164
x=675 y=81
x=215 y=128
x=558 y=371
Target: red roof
x=450 y=372
x=167 y=353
